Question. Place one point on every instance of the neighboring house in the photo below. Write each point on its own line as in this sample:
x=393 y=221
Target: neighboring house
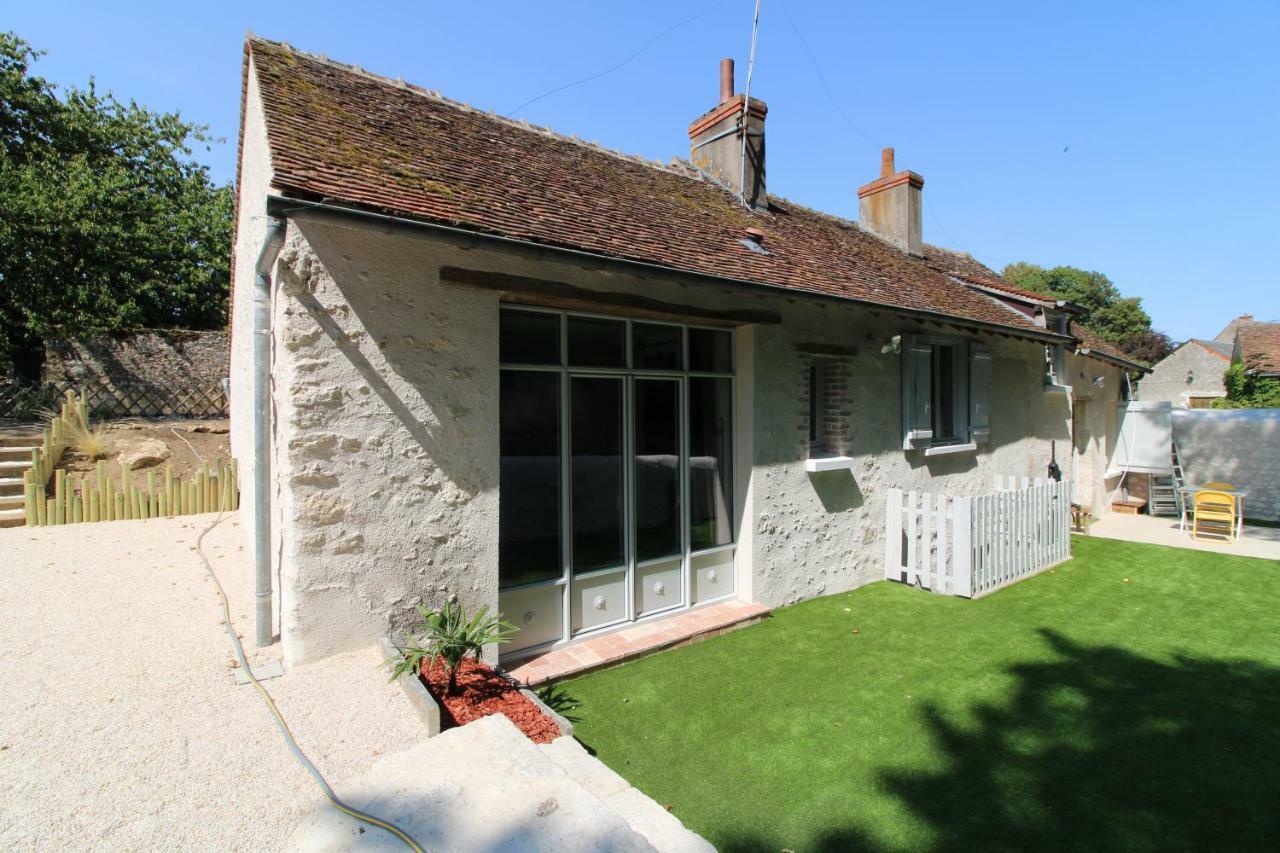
x=1257 y=347
x=1190 y=377
x=584 y=388
x=1228 y=333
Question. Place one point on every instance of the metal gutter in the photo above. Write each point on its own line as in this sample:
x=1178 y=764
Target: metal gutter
x=271 y=243
x=1102 y=356
x=283 y=205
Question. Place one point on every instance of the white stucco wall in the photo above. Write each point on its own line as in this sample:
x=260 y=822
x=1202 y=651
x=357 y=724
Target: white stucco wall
x=823 y=533
x=1094 y=431
x=387 y=460
x=386 y=468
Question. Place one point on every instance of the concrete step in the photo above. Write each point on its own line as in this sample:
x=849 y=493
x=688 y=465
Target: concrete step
x=483 y=786
x=11 y=486
x=12 y=517
x=11 y=468
x=20 y=440
x=21 y=451
x=11 y=501
x=662 y=829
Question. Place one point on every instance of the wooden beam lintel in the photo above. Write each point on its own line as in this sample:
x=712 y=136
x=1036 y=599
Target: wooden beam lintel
x=557 y=294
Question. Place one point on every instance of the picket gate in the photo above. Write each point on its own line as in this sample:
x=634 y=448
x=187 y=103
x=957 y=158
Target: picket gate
x=969 y=546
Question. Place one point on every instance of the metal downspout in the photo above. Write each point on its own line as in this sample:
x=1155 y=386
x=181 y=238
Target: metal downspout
x=271 y=244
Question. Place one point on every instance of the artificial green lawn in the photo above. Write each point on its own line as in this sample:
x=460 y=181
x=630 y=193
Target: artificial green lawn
x=1129 y=699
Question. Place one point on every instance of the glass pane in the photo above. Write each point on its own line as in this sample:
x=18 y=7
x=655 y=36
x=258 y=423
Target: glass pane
x=596 y=467
x=944 y=399
x=656 y=347
x=528 y=337
x=710 y=351
x=710 y=461
x=529 y=472
x=597 y=343
x=657 y=468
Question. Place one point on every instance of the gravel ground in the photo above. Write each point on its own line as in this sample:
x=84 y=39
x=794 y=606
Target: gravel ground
x=121 y=726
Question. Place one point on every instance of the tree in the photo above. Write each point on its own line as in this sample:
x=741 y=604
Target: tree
x=1148 y=347
x=106 y=221
x=1108 y=313
x=1247 y=390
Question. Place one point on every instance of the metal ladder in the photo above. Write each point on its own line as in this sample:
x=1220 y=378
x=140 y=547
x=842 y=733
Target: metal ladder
x=1165 y=498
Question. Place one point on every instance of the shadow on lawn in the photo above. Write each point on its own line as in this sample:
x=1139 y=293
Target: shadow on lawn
x=1101 y=750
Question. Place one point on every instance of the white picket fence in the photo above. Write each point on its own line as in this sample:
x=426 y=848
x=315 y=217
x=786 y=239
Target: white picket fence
x=969 y=546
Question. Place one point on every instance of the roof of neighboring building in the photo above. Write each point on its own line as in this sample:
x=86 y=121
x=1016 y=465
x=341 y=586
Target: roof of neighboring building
x=1219 y=348
x=966 y=268
x=351 y=138
x=1259 y=347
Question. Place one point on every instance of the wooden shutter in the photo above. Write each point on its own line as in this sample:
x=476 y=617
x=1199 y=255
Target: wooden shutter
x=917 y=393
x=979 y=395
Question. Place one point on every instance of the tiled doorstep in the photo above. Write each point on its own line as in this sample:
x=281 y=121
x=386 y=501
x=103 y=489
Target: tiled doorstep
x=604 y=650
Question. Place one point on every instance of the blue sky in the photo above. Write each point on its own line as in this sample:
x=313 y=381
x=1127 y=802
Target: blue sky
x=1138 y=139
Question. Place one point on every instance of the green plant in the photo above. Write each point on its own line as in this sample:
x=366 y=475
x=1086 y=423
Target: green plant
x=1247 y=390
x=448 y=635
x=86 y=438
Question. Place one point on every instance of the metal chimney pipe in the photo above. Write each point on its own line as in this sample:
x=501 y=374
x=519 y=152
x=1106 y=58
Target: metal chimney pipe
x=726 y=80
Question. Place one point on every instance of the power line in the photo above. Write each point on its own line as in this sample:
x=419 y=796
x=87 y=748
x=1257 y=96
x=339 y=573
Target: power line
x=822 y=78
x=650 y=43
x=836 y=103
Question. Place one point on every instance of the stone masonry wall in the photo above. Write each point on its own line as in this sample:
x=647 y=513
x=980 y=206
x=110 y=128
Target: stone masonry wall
x=173 y=359
x=386 y=447
x=1168 y=381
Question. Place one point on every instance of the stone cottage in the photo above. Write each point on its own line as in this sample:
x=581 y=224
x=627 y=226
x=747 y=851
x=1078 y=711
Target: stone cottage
x=484 y=360
x=1190 y=377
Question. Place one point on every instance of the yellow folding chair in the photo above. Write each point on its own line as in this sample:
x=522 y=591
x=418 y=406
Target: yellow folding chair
x=1213 y=516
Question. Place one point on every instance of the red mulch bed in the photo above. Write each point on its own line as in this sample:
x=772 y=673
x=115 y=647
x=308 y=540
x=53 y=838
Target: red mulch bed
x=482 y=692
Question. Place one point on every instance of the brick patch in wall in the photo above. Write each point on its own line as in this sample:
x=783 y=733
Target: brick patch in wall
x=834 y=432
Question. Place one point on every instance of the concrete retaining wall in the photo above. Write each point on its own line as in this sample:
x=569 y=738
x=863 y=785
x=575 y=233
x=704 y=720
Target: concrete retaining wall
x=1237 y=446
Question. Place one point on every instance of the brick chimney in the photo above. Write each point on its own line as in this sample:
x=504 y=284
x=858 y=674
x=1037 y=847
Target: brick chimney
x=891 y=206
x=715 y=142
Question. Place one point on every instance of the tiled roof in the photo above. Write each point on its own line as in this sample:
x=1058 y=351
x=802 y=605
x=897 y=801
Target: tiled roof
x=965 y=267
x=352 y=138
x=1260 y=346
x=1218 y=348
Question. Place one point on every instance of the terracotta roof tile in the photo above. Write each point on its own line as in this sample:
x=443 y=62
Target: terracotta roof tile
x=1260 y=346
x=965 y=267
x=343 y=135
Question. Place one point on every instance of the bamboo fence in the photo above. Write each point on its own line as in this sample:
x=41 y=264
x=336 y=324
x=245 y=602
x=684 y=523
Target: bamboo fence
x=95 y=496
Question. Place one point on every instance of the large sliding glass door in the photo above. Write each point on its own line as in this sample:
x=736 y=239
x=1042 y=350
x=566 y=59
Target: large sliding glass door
x=616 y=498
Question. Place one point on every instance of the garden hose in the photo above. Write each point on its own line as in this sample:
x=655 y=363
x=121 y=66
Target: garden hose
x=275 y=712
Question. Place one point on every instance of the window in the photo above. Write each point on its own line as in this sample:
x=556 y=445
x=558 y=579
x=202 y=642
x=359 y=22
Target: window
x=945 y=389
x=828 y=412
x=815 y=407
x=710 y=351
x=1055 y=355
